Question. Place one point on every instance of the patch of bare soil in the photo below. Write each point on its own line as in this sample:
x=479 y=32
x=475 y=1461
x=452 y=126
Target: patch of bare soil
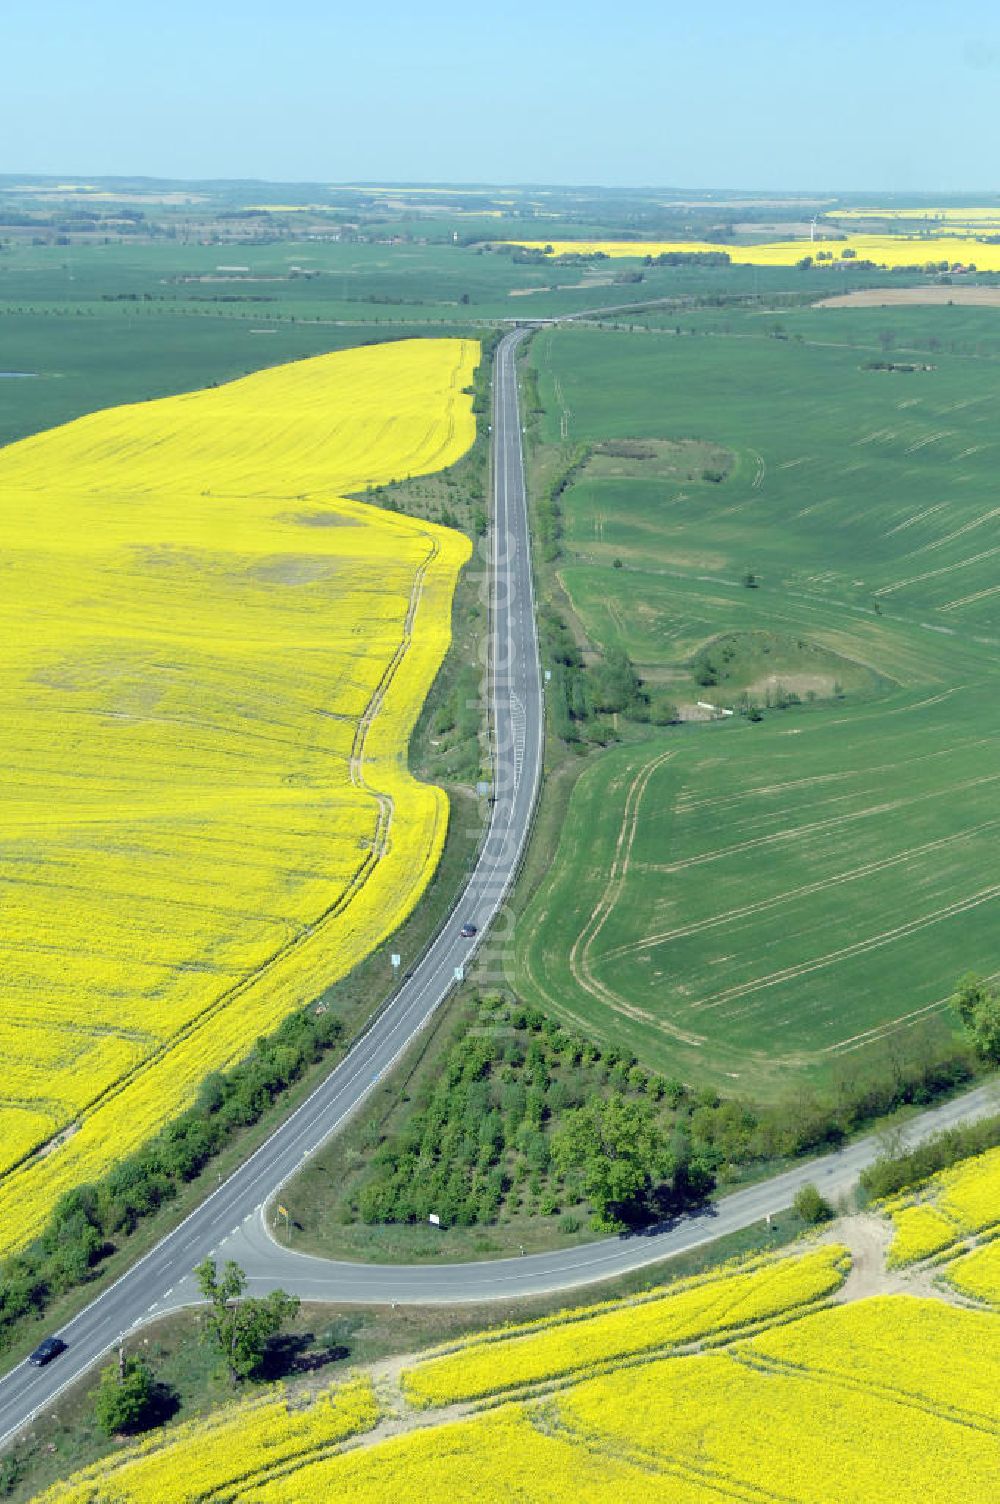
x=673 y=459
x=912 y=297
x=58 y=1141
x=689 y=711
x=323 y=519
x=587 y=281
x=291 y=570
x=821 y=685
x=868 y=1237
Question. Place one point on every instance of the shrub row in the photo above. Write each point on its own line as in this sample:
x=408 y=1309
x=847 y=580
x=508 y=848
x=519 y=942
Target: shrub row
x=891 y=1174
x=548 y=508
x=90 y=1222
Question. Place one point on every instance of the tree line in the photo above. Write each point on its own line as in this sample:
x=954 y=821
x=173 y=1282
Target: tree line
x=584 y=697
x=91 y=1221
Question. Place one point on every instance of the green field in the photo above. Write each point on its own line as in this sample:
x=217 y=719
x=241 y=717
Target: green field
x=96 y=324
x=744 y=901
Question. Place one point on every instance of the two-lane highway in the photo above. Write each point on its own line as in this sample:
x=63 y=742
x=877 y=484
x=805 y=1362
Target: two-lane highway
x=270 y=1266
x=162 y=1278
x=232 y=1222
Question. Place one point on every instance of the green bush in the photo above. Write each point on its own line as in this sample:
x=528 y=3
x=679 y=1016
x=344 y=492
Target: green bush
x=125 y=1396
x=812 y=1207
x=977 y=1004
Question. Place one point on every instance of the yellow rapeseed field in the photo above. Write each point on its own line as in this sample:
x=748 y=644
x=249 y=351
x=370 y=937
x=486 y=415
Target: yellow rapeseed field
x=975 y=219
x=704 y=1308
x=919 y=1230
x=978 y=1273
x=951 y=1207
x=855 y=1427
x=498 y=1459
x=242 y=1444
x=893 y=1400
x=213 y=663
x=884 y=250
x=969 y=1193
x=934 y=1353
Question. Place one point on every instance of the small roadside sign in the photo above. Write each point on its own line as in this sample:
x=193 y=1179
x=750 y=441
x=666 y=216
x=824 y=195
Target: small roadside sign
x=548 y=675
x=434 y=1219
x=396 y=961
x=459 y=973
x=282 y=1210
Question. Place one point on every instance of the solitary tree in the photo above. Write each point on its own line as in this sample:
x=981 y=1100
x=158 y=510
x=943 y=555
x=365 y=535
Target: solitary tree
x=978 y=1006
x=124 y=1395
x=619 y=1150
x=241 y=1326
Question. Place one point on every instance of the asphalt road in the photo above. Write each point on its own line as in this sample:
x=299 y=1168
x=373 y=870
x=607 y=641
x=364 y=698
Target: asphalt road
x=270 y=1266
x=162 y=1278
x=232 y=1222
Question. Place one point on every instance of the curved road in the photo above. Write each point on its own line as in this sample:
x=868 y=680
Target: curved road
x=269 y=1265
x=152 y=1284
x=232 y=1222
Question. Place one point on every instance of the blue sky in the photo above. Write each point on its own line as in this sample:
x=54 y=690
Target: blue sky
x=744 y=95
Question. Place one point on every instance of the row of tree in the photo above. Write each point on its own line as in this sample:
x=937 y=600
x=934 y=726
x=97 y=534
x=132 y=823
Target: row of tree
x=90 y=1222
x=584 y=696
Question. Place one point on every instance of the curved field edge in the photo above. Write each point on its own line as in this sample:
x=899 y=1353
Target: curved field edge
x=951 y=1223
x=276 y=457
x=592 y=1338
x=895 y=1391
x=712 y=891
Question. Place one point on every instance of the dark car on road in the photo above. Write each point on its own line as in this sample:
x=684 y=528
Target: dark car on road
x=46 y=1351
x=468 y=930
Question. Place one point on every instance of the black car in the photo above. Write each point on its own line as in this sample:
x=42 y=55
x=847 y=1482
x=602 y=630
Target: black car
x=46 y=1351
x=468 y=930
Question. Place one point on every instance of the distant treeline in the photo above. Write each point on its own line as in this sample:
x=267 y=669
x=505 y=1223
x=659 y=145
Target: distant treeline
x=689 y=258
